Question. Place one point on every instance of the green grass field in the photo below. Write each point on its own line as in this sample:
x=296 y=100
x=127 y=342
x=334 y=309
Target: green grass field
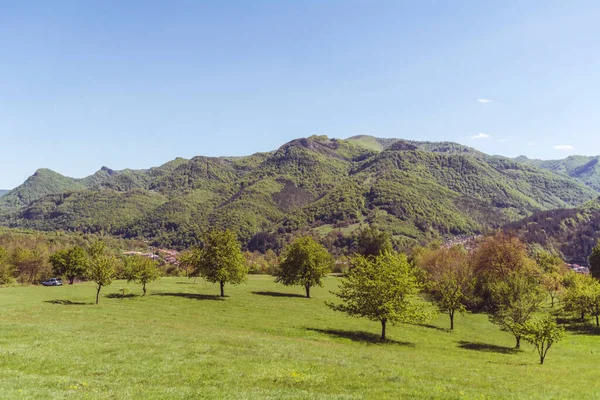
x=264 y=341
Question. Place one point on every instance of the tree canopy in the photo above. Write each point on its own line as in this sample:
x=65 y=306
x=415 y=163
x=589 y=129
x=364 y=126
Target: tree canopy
x=220 y=260
x=70 y=262
x=305 y=263
x=380 y=288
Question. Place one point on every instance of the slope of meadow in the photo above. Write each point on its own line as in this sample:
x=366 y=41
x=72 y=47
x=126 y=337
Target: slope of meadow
x=264 y=341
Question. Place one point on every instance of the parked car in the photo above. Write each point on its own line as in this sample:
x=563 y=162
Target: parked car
x=53 y=282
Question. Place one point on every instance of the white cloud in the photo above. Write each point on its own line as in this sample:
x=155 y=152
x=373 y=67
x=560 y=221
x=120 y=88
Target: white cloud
x=480 y=135
x=502 y=140
x=566 y=147
x=484 y=101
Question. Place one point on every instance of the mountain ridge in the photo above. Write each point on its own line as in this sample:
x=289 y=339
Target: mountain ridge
x=415 y=190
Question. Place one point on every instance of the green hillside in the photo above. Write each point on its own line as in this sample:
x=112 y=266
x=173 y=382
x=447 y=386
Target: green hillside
x=584 y=169
x=3 y=192
x=573 y=231
x=414 y=190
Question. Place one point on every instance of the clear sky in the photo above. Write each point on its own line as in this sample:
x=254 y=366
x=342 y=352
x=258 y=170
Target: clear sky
x=136 y=83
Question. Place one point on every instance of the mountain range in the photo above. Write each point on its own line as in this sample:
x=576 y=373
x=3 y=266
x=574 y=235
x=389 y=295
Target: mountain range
x=415 y=190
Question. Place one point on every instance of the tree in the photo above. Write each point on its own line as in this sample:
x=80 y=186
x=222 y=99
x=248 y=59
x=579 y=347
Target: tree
x=542 y=333
x=595 y=262
x=579 y=294
x=553 y=283
x=373 y=242
x=515 y=300
x=7 y=270
x=497 y=259
x=220 y=259
x=594 y=300
x=71 y=262
x=380 y=288
x=142 y=270
x=102 y=271
x=450 y=279
x=305 y=263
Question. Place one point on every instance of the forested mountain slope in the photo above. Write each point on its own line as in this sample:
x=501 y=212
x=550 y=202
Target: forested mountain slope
x=573 y=231
x=584 y=169
x=415 y=190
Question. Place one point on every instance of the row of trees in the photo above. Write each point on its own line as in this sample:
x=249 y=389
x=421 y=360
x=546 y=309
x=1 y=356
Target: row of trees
x=502 y=277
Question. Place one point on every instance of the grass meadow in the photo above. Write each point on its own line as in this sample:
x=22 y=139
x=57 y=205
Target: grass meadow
x=263 y=341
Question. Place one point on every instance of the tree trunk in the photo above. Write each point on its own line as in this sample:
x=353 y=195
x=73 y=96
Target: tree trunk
x=583 y=315
x=144 y=289
x=98 y=294
x=541 y=359
x=222 y=288
x=307 y=287
x=518 y=346
x=597 y=322
x=551 y=304
x=383 y=324
x=71 y=280
x=451 y=313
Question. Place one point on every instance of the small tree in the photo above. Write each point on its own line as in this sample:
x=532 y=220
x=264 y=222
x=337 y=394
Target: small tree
x=370 y=241
x=306 y=262
x=579 y=294
x=380 y=288
x=220 y=260
x=102 y=271
x=553 y=283
x=450 y=279
x=7 y=270
x=542 y=333
x=142 y=270
x=595 y=262
x=515 y=300
x=71 y=263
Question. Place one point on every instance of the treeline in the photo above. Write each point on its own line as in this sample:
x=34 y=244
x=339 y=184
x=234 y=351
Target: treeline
x=26 y=256
x=502 y=276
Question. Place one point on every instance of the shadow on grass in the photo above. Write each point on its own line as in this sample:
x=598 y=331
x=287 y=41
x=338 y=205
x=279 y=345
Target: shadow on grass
x=437 y=328
x=487 y=348
x=578 y=326
x=121 y=296
x=359 y=336
x=278 y=294
x=193 y=296
x=68 y=303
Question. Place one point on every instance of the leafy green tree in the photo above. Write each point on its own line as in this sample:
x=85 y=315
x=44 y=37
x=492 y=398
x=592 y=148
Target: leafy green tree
x=515 y=300
x=220 y=260
x=450 y=280
x=102 y=271
x=142 y=270
x=579 y=294
x=373 y=242
x=96 y=249
x=595 y=262
x=547 y=261
x=594 y=300
x=542 y=333
x=7 y=270
x=380 y=288
x=305 y=263
x=70 y=262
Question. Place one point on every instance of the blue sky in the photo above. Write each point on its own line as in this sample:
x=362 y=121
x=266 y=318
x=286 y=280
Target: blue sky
x=134 y=84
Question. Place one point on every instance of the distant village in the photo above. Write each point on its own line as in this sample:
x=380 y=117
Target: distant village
x=165 y=255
